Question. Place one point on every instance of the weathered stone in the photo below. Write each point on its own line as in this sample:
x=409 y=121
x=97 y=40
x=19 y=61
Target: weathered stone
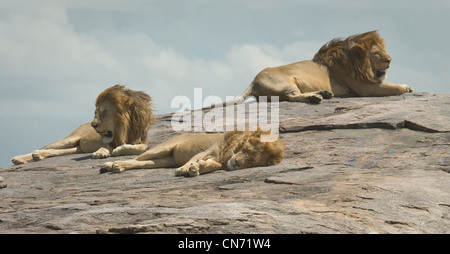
x=2 y=183
x=353 y=165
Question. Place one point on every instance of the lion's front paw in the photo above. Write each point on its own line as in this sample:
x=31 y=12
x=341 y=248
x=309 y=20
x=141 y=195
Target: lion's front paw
x=122 y=150
x=117 y=151
x=326 y=94
x=315 y=99
x=181 y=171
x=101 y=153
x=111 y=167
x=407 y=89
x=194 y=169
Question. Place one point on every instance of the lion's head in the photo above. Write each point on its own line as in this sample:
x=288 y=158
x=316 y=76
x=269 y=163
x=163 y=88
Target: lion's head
x=244 y=149
x=123 y=116
x=362 y=57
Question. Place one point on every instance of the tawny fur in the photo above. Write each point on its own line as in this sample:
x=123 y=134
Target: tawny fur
x=201 y=153
x=122 y=120
x=355 y=66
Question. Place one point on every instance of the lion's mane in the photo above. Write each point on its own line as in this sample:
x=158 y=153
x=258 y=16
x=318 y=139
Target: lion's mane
x=235 y=141
x=134 y=115
x=350 y=56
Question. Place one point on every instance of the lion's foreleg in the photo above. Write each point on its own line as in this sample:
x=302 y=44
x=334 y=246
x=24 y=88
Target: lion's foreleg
x=203 y=167
x=46 y=153
x=393 y=89
x=184 y=170
x=120 y=166
x=383 y=89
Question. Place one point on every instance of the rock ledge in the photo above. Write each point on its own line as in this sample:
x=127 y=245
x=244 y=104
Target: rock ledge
x=353 y=165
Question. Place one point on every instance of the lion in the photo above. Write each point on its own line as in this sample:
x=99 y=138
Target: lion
x=201 y=153
x=355 y=66
x=120 y=127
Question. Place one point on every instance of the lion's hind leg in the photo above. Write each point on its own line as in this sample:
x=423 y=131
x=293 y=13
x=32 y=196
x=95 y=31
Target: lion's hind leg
x=158 y=152
x=311 y=97
x=72 y=140
x=21 y=159
x=68 y=142
x=46 y=153
x=120 y=166
x=60 y=147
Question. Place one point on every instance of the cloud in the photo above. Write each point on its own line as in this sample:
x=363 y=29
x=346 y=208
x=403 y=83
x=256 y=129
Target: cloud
x=177 y=74
x=45 y=45
x=67 y=64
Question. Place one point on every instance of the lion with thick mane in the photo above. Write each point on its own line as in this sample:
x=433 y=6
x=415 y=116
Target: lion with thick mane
x=201 y=153
x=355 y=66
x=122 y=120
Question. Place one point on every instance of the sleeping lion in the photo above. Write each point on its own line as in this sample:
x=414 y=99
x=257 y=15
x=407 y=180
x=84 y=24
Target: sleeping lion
x=355 y=66
x=120 y=126
x=201 y=153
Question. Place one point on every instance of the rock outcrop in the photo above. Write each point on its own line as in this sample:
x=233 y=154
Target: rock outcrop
x=353 y=165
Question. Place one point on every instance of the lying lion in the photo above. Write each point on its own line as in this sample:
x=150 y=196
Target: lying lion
x=122 y=120
x=201 y=153
x=355 y=66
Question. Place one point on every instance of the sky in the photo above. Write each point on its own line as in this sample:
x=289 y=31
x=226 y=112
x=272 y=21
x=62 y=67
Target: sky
x=57 y=56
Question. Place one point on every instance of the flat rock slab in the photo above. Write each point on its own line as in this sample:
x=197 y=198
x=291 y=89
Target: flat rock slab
x=428 y=115
x=353 y=165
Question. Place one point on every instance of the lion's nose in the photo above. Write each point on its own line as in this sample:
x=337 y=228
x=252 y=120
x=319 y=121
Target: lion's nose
x=388 y=61
x=94 y=124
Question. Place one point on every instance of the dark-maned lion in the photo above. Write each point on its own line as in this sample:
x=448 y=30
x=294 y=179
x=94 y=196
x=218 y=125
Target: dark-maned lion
x=201 y=153
x=120 y=126
x=355 y=66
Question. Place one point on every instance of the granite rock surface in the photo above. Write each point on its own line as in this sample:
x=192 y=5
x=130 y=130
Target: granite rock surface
x=352 y=165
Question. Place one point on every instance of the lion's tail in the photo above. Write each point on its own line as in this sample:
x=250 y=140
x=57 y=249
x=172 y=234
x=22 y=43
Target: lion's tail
x=247 y=92
x=238 y=99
